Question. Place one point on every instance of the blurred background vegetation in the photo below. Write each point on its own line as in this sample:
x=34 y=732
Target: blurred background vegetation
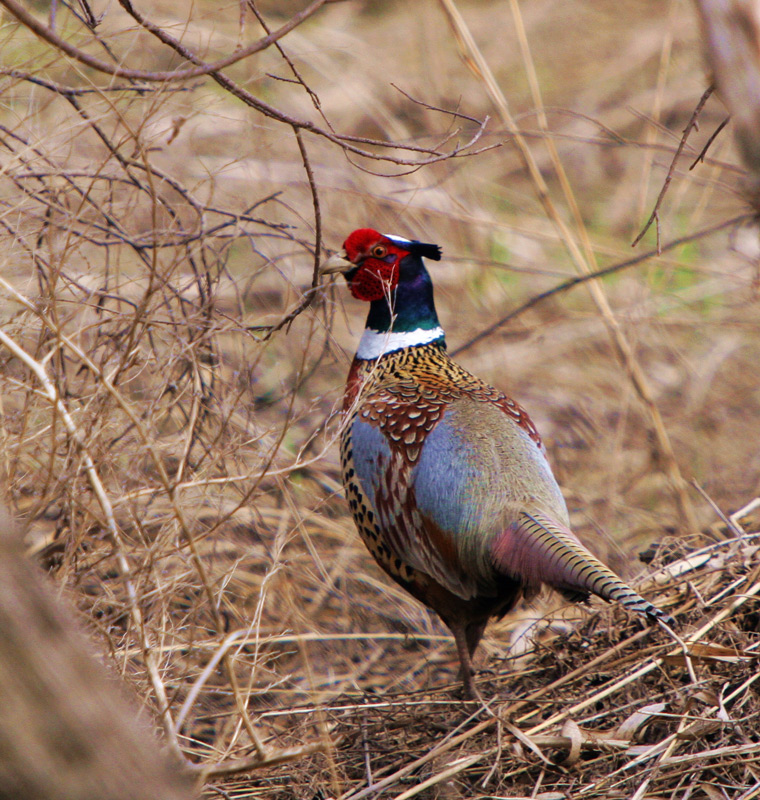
x=158 y=244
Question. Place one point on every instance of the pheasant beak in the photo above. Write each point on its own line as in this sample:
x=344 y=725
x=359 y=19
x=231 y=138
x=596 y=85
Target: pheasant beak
x=337 y=263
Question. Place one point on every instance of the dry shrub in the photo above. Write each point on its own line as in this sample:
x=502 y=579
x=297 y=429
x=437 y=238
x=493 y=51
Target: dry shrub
x=169 y=409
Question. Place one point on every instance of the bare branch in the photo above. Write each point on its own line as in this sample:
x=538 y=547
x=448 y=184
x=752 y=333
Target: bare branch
x=571 y=283
x=51 y=37
x=687 y=130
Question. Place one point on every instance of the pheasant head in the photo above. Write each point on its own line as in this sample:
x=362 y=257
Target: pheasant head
x=388 y=272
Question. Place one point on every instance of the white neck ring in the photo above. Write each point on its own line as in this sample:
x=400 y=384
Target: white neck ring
x=374 y=344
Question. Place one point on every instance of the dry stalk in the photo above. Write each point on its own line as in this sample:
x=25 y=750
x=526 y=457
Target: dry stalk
x=475 y=60
x=282 y=756
x=146 y=644
x=650 y=666
x=655 y=113
x=459 y=765
x=444 y=747
x=168 y=487
x=571 y=283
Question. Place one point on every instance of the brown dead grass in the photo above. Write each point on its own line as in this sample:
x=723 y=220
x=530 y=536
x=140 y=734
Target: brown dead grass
x=228 y=577
x=604 y=708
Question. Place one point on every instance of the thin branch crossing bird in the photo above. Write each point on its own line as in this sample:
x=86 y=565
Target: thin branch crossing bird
x=446 y=476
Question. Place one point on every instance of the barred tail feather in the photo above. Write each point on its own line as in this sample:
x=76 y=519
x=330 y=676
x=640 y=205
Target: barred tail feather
x=540 y=550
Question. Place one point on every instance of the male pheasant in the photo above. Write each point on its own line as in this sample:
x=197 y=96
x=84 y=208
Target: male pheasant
x=446 y=476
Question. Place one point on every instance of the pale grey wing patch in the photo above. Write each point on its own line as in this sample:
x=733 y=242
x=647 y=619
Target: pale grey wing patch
x=477 y=472
x=385 y=479
x=455 y=483
x=481 y=469
x=447 y=481
x=370 y=455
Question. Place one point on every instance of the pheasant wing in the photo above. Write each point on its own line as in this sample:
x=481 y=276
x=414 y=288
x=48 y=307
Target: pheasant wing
x=478 y=467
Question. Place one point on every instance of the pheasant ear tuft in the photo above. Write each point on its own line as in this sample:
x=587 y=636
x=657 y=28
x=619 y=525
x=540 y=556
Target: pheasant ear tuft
x=431 y=251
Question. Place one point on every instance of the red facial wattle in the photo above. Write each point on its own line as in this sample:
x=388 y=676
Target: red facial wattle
x=373 y=279
x=377 y=264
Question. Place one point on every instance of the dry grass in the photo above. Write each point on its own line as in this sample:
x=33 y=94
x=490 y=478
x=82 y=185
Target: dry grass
x=604 y=708
x=177 y=472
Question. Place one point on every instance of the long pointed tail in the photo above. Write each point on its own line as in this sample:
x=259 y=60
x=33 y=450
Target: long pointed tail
x=540 y=550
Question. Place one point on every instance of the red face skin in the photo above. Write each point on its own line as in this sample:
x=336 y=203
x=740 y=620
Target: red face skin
x=377 y=264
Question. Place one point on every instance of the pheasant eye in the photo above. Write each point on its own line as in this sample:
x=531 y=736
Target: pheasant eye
x=379 y=250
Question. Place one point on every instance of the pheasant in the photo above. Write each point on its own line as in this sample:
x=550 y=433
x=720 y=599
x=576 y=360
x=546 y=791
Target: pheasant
x=446 y=477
